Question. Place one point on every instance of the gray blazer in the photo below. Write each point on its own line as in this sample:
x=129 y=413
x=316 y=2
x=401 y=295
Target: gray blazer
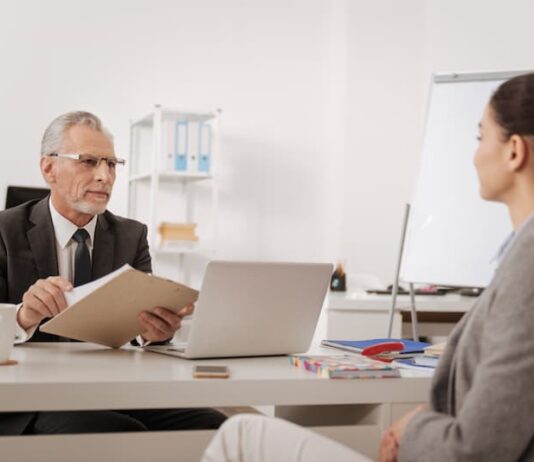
x=28 y=253
x=482 y=399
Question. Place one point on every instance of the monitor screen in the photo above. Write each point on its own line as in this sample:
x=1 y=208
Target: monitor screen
x=17 y=195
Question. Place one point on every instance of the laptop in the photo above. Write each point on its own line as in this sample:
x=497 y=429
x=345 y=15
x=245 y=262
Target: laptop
x=254 y=309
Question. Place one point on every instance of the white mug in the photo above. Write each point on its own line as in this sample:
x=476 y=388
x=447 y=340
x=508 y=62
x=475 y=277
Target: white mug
x=8 y=313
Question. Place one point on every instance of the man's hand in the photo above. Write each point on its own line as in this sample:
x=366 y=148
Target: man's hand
x=389 y=447
x=160 y=324
x=44 y=299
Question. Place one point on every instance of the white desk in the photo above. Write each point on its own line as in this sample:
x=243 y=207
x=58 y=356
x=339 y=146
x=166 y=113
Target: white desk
x=79 y=376
x=359 y=315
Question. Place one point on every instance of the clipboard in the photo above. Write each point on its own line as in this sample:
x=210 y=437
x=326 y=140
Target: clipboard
x=105 y=311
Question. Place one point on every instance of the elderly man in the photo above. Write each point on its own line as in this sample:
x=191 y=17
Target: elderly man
x=68 y=239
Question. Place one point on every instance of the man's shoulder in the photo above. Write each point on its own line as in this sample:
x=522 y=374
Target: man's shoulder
x=17 y=216
x=123 y=223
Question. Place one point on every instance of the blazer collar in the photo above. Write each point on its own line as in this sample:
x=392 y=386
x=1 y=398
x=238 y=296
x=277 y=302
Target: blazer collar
x=103 y=248
x=42 y=240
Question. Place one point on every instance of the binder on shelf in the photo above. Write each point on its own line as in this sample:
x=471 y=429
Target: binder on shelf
x=181 y=145
x=169 y=137
x=204 y=147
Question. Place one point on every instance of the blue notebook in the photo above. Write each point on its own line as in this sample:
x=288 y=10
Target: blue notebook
x=411 y=363
x=356 y=346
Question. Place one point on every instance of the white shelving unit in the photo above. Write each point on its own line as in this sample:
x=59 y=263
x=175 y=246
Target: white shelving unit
x=160 y=193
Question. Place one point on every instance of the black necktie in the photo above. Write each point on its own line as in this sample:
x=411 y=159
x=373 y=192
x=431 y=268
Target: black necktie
x=82 y=259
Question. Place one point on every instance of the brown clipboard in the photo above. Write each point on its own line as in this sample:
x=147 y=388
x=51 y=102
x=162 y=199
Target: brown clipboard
x=108 y=315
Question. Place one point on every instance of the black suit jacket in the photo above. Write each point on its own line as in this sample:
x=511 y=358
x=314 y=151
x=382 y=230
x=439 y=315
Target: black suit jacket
x=28 y=253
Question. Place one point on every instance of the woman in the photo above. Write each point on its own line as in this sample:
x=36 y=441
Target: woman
x=482 y=398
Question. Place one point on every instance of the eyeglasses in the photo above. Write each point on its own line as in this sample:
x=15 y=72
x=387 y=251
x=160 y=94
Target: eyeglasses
x=89 y=161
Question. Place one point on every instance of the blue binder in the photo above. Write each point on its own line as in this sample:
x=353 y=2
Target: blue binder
x=181 y=145
x=204 y=147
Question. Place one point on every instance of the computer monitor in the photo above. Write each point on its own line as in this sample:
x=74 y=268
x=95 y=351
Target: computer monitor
x=17 y=195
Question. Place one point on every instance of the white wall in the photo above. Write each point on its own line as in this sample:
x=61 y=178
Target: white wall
x=386 y=88
x=479 y=35
x=261 y=61
x=323 y=100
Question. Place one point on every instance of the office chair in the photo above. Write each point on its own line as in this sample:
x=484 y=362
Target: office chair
x=17 y=195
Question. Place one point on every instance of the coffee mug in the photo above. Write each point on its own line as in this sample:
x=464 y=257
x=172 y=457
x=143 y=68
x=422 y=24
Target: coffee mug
x=8 y=313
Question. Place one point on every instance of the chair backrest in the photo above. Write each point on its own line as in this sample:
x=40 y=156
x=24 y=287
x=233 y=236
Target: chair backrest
x=17 y=195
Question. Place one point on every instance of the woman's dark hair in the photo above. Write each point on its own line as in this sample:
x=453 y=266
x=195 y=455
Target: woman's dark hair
x=513 y=105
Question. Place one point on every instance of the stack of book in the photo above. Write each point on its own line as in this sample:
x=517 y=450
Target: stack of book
x=431 y=355
x=344 y=366
x=435 y=350
x=177 y=234
x=429 y=358
x=381 y=348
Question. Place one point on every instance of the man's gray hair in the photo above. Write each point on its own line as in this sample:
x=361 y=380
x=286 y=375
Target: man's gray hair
x=55 y=132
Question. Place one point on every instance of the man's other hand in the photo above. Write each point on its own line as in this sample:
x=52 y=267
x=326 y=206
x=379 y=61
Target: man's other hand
x=160 y=324
x=44 y=299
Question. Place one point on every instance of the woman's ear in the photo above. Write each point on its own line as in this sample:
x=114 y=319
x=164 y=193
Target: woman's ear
x=48 y=169
x=518 y=153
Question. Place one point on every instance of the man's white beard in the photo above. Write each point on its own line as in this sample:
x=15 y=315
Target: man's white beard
x=89 y=209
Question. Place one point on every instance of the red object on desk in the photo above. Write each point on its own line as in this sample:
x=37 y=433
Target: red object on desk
x=381 y=348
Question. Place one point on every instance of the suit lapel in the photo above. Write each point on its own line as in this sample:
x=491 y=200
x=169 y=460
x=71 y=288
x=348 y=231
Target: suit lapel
x=103 y=248
x=42 y=240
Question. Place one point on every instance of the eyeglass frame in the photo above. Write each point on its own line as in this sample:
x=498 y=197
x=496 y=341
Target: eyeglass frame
x=114 y=160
